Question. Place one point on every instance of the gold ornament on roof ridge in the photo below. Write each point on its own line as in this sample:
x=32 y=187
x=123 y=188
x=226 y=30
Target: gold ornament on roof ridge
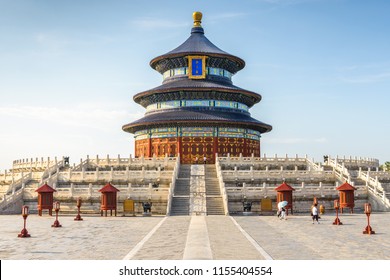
x=197 y=16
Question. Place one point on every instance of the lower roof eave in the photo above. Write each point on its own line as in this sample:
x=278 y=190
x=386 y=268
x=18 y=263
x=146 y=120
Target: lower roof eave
x=132 y=128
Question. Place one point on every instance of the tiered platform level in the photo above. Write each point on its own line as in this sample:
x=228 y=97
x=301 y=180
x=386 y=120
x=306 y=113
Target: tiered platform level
x=139 y=179
x=256 y=178
x=194 y=189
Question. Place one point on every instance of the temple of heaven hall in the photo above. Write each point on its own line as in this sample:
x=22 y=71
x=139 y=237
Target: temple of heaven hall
x=197 y=113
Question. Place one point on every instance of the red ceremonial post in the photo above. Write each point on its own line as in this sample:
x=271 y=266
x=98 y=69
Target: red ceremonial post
x=24 y=232
x=336 y=206
x=78 y=217
x=367 y=211
x=56 y=208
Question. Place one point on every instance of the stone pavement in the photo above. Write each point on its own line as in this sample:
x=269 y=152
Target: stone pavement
x=197 y=237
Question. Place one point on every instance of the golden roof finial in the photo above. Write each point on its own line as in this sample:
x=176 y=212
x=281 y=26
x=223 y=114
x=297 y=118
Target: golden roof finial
x=197 y=16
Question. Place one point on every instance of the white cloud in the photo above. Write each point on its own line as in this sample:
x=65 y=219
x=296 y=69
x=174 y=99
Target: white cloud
x=365 y=73
x=91 y=116
x=370 y=78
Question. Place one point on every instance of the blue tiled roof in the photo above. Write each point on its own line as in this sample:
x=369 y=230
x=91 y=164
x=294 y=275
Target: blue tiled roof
x=189 y=84
x=195 y=117
x=198 y=43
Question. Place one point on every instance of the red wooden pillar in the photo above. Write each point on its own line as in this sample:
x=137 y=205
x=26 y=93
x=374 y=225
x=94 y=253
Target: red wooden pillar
x=284 y=193
x=346 y=196
x=215 y=148
x=149 y=148
x=108 y=199
x=179 y=148
x=45 y=198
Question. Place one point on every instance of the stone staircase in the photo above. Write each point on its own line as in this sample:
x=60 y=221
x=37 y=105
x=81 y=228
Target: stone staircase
x=214 y=206
x=355 y=178
x=180 y=206
x=181 y=194
x=386 y=187
x=214 y=202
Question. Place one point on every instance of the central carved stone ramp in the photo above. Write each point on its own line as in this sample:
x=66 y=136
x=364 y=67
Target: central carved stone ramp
x=197 y=192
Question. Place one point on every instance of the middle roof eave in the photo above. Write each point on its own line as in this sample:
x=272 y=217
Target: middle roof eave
x=195 y=85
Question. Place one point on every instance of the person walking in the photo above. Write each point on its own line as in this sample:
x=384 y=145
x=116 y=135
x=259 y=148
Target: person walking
x=314 y=212
x=283 y=214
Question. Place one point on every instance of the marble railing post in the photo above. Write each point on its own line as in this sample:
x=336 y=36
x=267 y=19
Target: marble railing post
x=82 y=172
x=90 y=190
x=129 y=190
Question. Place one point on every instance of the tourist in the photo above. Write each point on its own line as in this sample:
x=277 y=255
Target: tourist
x=204 y=160
x=314 y=212
x=196 y=160
x=283 y=214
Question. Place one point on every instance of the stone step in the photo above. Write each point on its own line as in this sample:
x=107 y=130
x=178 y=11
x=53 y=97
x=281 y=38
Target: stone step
x=214 y=206
x=180 y=206
x=181 y=191
x=212 y=187
x=182 y=187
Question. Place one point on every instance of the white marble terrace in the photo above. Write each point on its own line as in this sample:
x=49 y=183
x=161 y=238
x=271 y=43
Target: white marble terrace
x=154 y=178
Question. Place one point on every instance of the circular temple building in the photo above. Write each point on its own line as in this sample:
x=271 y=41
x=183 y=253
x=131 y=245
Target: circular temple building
x=197 y=112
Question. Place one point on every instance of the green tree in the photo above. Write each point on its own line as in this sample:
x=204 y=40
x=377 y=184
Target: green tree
x=386 y=166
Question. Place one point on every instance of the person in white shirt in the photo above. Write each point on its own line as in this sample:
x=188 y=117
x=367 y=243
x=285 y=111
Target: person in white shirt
x=283 y=214
x=314 y=212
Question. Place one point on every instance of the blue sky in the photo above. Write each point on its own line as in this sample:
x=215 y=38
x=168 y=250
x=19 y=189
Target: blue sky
x=69 y=70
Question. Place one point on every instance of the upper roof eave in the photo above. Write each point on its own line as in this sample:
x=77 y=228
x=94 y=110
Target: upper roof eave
x=240 y=62
x=195 y=85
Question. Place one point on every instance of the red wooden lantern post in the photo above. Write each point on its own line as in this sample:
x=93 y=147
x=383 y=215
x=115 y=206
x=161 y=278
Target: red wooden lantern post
x=367 y=211
x=108 y=199
x=24 y=232
x=45 y=198
x=346 y=195
x=284 y=193
x=56 y=208
x=337 y=207
x=78 y=217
